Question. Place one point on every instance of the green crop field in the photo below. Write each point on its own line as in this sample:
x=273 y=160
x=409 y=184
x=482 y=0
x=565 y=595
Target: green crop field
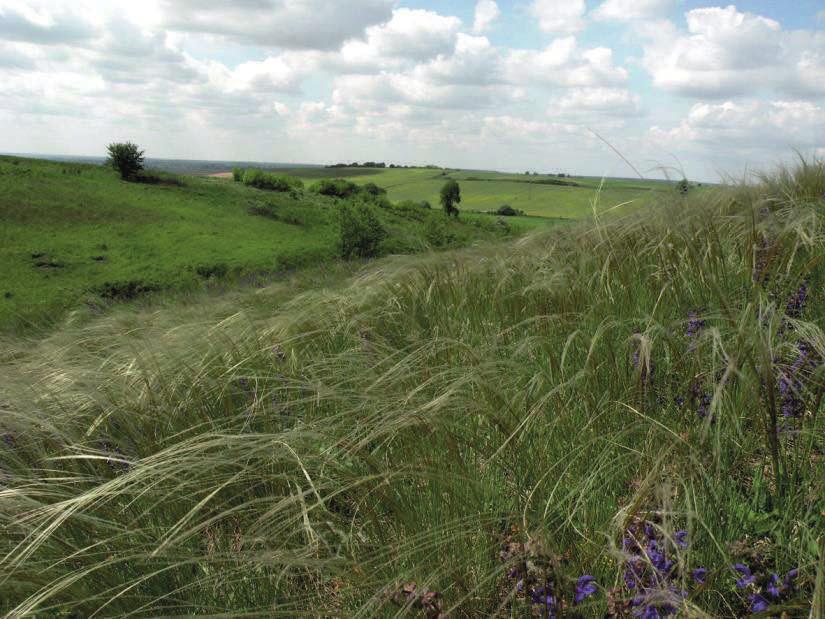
x=487 y=191
x=75 y=233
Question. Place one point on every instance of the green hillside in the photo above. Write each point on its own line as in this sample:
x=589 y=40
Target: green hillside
x=77 y=236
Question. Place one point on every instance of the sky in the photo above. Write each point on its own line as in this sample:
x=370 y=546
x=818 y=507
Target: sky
x=686 y=87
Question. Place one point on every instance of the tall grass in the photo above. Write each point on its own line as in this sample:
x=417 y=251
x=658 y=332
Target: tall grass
x=459 y=434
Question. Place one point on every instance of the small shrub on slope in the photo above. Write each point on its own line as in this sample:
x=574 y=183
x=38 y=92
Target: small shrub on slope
x=361 y=231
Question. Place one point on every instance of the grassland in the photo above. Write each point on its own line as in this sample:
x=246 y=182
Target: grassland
x=75 y=236
x=487 y=191
x=475 y=433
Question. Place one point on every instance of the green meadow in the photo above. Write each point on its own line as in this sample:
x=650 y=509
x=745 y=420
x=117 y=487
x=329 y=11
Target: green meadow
x=487 y=191
x=617 y=417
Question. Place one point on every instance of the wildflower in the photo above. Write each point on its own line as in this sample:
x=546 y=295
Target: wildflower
x=585 y=587
x=681 y=539
x=758 y=603
x=796 y=303
x=695 y=324
x=699 y=575
x=774 y=588
x=747 y=576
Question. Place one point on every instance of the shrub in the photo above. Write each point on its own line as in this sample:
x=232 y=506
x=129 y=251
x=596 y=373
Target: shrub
x=126 y=158
x=335 y=187
x=450 y=196
x=361 y=231
x=508 y=211
x=438 y=233
x=237 y=174
x=263 y=180
x=373 y=190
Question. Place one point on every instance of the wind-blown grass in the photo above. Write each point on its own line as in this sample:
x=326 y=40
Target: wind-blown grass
x=487 y=425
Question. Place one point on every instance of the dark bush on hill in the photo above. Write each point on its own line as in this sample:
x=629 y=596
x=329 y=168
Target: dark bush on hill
x=508 y=211
x=270 y=182
x=237 y=174
x=361 y=231
x=335 y=187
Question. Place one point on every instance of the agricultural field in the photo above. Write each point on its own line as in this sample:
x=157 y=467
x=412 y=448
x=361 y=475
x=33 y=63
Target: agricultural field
x=612 y=418
x=571 y=198
x=74 y=236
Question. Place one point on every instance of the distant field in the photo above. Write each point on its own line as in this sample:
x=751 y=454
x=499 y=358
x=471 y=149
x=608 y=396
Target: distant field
x=72 y=233
x=485 y=191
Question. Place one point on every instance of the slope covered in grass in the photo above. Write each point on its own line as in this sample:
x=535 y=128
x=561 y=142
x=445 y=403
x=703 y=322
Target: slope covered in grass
x=624 y=418
x=73 y=233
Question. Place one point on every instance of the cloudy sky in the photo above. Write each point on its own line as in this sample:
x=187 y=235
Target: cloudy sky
x=495 y=84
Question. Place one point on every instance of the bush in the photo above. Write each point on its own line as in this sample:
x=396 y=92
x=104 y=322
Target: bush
x=126 y=158
x=237 y=174
x=335 y=187
x=450 y=196
x=508 y=211
x=361 y=231
x=438 y=233
x=263 y=180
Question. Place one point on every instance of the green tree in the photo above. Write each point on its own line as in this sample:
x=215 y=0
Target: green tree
x=450 y=196
x=126 y=158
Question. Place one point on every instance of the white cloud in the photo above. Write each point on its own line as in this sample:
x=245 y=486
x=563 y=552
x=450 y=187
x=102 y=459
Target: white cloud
x=627 y=10
x=562 y=63
x=486 y=13
x=559 y=16
x=604 y=101
x=770 y=126
x=410 y=35
x=297 y=24
x=727 y=53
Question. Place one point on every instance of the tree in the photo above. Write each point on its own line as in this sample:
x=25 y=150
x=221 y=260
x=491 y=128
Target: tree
x=126 y=158
x=450 y=196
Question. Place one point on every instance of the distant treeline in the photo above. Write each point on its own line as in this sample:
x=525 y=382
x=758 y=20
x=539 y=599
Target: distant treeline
x=382 y=165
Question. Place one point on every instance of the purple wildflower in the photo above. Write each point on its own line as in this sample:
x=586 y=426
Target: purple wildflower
x=585 y=587
x=774 y=588
x=681 y=539
x=796 y=303
x=758 y=603
x=695 y=324
x=699 y=575
x=790 y=576
x=747 y=576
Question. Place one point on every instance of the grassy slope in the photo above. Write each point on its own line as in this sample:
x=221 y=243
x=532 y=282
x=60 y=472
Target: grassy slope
x=443 y=420
x=69 y=229
x=497 y=189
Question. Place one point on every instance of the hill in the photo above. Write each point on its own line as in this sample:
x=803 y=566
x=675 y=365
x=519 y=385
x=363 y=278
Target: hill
x=76 y=235
x=619 y=418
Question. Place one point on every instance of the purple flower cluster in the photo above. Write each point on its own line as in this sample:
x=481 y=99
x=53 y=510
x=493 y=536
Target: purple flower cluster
x=792 y=381
x=695 y=324
x=764 y=589
x=546 y=597
x=651 y=573
x=536 y=574
x=796 y=303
